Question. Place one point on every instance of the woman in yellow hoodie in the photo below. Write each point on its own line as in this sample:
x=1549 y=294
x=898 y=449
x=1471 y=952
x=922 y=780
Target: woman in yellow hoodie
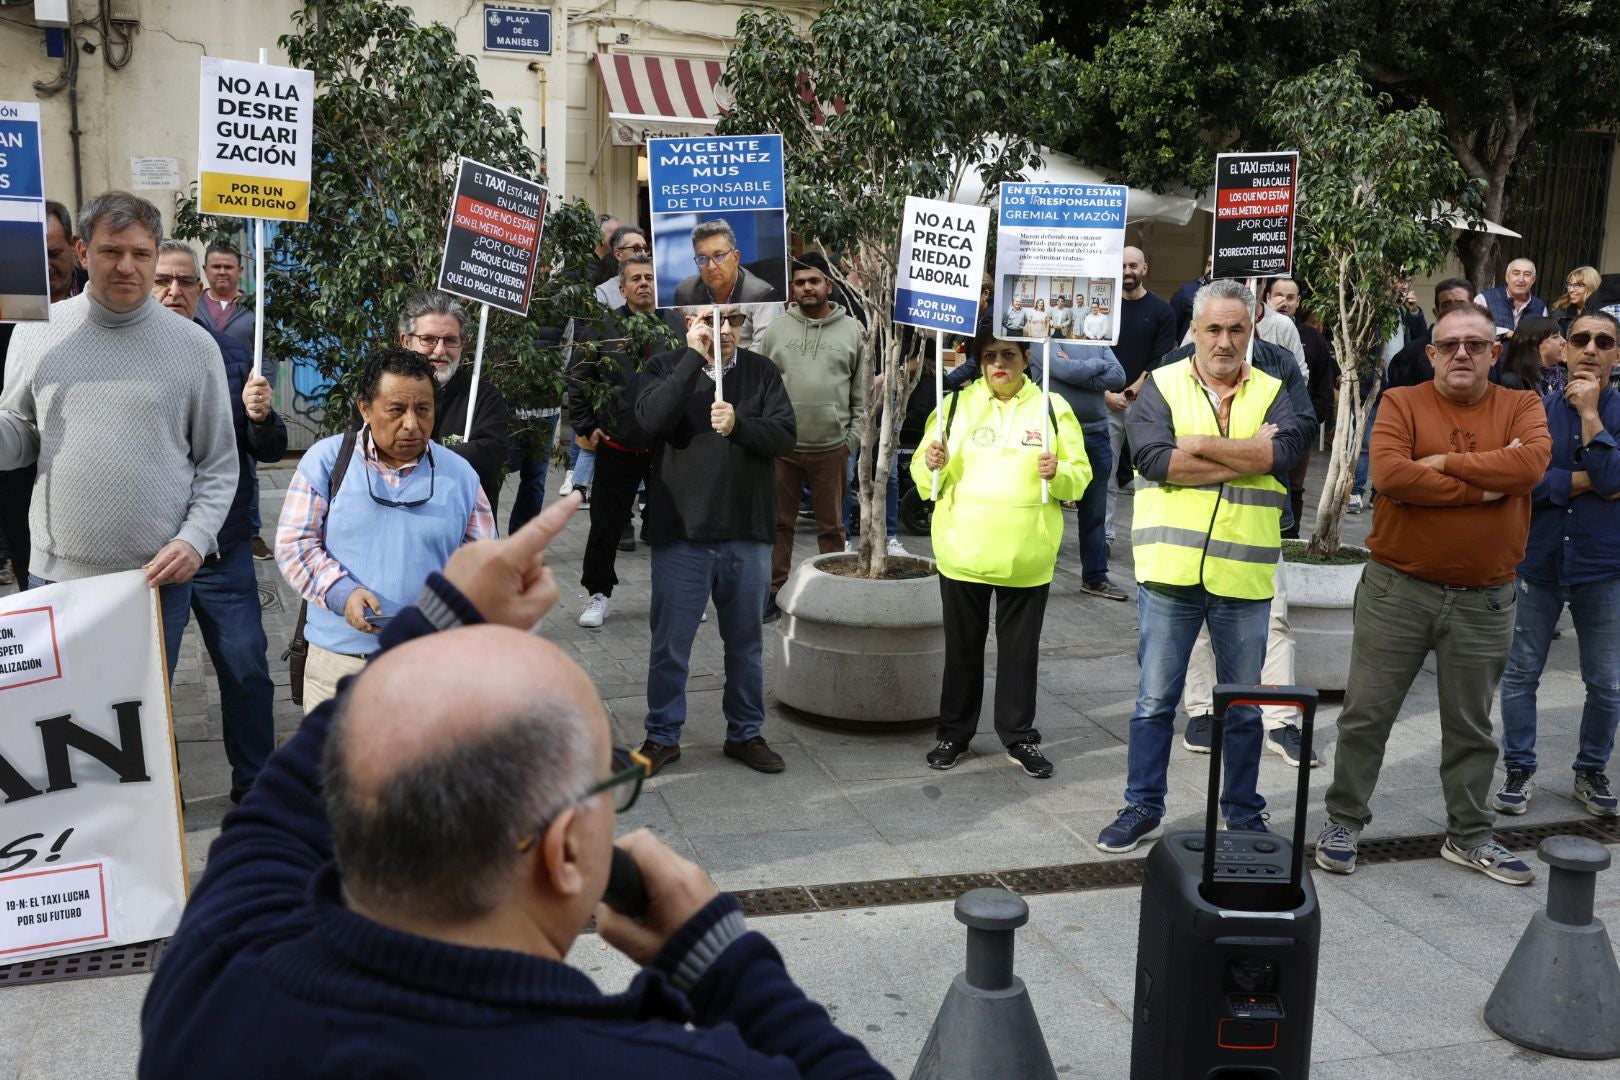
x=993 y=535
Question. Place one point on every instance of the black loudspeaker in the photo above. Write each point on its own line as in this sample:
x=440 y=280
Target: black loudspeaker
x=1227 y=945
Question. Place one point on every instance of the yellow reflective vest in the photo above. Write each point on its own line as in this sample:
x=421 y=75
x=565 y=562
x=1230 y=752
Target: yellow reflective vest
x=990 y=525
x=1223 y=537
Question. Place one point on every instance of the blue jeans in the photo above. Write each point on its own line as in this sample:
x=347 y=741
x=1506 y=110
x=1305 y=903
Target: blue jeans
x=1169 y=625
x=1595 y=607
x=685 y=574
x=1359 y=485
x=1091 y=520
x=530 y=464
x=176 y=601
x=891 y=508
x=582 y=463
x=225 y=599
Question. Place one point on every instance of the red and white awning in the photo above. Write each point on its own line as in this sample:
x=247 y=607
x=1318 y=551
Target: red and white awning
x=658 y=96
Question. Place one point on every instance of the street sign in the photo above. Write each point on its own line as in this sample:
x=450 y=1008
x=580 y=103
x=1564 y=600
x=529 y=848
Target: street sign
x=493 y=242
x=517 y=30
x=1254 y=214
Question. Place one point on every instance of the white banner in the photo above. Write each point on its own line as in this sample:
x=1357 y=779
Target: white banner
x=91 y=846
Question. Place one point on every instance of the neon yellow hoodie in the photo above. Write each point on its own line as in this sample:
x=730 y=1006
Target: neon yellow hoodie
x=989 y=523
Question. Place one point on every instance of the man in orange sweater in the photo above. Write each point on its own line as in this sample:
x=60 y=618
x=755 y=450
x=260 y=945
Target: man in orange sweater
x=1453 y=461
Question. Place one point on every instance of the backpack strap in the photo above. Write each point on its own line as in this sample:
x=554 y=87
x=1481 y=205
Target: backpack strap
x=298 y=646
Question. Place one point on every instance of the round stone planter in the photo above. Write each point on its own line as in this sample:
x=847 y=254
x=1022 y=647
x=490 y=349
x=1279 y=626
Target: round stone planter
x=1321 y=601
x=855 y=649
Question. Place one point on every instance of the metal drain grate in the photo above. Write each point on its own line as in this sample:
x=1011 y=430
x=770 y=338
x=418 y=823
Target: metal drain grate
x=118 y=960
x=1082 y=877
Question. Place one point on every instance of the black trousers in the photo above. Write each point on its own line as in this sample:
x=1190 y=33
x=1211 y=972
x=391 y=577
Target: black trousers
x=613 y=498
x=16 y=492
x=1020 y=612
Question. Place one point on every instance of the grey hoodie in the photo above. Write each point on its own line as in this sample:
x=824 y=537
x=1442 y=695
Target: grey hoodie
x=820 y=362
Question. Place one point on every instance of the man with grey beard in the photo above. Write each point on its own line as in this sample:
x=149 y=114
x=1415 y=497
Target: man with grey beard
x=435 y=325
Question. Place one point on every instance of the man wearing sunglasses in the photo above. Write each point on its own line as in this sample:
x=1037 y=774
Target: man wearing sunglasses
x=399 y=892
x=1573 y=558
x=402 y=506
x=711 y=521
x=1453 y=462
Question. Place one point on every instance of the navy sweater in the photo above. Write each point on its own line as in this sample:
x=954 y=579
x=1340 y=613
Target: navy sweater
x=271 y=975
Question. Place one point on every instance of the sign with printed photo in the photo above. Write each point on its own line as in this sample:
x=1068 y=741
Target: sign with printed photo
x=1060 y=249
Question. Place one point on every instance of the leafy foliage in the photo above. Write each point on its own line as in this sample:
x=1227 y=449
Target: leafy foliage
x=885 y=99
x=1377 y=187
x=397 y=106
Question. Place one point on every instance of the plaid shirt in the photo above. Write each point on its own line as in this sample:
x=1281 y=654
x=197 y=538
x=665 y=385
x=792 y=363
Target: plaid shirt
x=301 y=553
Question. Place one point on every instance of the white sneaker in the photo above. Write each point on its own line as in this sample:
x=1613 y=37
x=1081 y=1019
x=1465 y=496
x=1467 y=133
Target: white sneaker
x=1354 y=506
x=851 y=547
x=567 y=484
x=595 y=611
x=897 y=548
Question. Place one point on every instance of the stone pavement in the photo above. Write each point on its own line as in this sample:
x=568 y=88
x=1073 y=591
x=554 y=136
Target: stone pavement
x=1410 y=950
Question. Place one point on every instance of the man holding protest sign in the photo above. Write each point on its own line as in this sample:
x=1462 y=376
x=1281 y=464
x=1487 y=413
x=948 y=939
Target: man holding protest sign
x=711 y=503
x=113 y=502
x=225 y=592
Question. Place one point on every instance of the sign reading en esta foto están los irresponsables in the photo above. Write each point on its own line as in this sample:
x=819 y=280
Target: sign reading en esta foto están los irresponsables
x=255 y=140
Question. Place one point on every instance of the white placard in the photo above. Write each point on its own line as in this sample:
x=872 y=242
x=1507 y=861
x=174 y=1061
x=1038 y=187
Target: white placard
x=154 y=173
x=1059 y=253
x=56 y=909
x=255 y=140
x=87 y=767
x=941 y=269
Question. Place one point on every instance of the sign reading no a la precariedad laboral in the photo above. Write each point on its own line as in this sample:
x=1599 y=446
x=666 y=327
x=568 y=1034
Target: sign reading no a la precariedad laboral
x=937 y=282
x=719 y=220
x=25 y=286
x=1060 y=250
x=255 y=140
x=493 y=243
x=1254 y=214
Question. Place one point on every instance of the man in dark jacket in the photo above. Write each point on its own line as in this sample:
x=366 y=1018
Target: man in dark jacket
x=712 y=508
x=435 y=325
x=1081 y=374
x=1282 y=296
x=374 y=939
x=603 y=417
x=225 y=591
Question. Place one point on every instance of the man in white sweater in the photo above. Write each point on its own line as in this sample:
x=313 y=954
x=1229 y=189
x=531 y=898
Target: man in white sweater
x=125 y=409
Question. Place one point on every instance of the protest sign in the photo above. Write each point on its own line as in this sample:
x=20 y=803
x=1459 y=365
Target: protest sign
x=941 y=269
x=1059 y=252
x=493 y=243
x=255 y=140
x=25 y=282
x=1254 y=214
x=719 y=220
x=91 y=850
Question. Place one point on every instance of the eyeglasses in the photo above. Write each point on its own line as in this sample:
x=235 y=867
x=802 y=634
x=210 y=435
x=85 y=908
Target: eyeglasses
x=1581 y=338
x=405 y=503
x=1473 y=346
x=736 y=319
x=185 y=281
x=637 y=246
x=433 y=341
x=705 y=260
x=630 y=768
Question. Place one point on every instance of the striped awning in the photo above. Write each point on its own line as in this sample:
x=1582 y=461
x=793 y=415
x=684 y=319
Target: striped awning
x=650 y=97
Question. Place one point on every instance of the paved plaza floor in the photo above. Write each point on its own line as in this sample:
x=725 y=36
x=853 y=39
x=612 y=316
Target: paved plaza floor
x=1410 y=950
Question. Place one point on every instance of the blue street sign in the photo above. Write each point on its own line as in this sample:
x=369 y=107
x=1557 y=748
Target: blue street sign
x=518 y=30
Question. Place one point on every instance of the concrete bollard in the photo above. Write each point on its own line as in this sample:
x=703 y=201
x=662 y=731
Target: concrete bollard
x=986 y=1029
x=1560 y=991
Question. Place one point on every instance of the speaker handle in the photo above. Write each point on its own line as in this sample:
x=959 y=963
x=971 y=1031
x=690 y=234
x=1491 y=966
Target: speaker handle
x=1226 y=695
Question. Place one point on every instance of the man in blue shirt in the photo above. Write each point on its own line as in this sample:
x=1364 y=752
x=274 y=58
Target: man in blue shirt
x=1573 y=558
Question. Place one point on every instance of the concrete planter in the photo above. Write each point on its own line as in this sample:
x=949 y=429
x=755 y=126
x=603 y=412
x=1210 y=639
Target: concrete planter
x=1321 y=599
x=855 y=649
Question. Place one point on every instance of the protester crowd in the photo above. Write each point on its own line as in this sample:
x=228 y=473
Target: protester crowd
x=1492 y=473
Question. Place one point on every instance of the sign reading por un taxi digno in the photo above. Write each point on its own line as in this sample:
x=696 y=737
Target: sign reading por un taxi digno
x=255 y=140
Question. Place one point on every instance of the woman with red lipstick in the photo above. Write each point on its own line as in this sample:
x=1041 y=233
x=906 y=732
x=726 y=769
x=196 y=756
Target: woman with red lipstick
x=997 y=440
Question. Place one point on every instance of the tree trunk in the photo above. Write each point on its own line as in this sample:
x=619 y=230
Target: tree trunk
x=1478 y=254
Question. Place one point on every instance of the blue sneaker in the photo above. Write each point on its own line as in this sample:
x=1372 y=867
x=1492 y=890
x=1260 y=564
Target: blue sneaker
x=1200 y=733
x=1491 y=859
x=1254 y=824
x=1133 y=825
x=1336 y=848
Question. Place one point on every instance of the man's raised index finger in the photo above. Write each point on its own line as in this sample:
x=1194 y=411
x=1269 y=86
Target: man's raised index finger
x=544 y=527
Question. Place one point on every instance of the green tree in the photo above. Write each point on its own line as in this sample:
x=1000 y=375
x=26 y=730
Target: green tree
x=1182 y=80
x=881 y=100
x=396 y=106
x=1376 y=188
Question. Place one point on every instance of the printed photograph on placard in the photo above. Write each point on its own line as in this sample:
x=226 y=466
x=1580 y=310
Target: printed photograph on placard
x=1060 y=308
x=740 y=255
